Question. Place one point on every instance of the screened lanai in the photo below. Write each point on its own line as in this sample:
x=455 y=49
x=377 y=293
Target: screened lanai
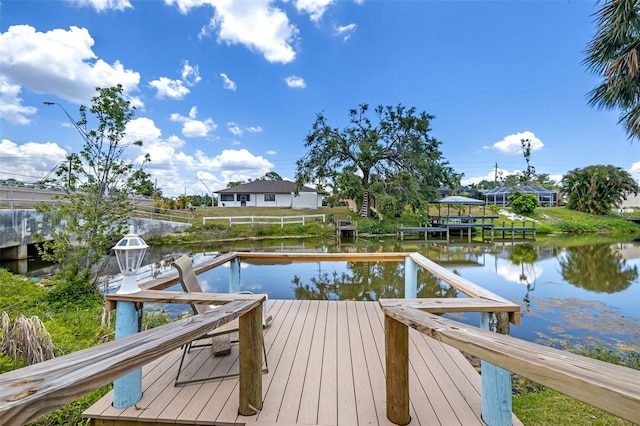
x=500 y=195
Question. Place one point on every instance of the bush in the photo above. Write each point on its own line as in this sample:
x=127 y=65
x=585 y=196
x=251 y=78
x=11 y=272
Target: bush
x=523 y=204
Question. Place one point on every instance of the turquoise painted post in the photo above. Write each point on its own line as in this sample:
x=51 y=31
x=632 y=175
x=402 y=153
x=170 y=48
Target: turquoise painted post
x=496 y=387
x=410 y=278
x=234 y=276
x=127 y=390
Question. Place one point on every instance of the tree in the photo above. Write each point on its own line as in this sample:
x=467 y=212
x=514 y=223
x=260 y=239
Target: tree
x=597 y=189
x=235 y=183
x=141 y=184
x=528 y=174
x=613 y=55
x=92 y=214
x=365 y=161
x=271 y=176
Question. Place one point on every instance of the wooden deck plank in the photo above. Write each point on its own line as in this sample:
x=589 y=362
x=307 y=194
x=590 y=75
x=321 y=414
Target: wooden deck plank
x=365 y=404
x=275 y=335
x=326 y=362
x=283 y=369
x=328 y=403
x=373 y=362
x=347 y=412
x=442 y=392
x=377 y=325
x=308 y=410
x=291 y=399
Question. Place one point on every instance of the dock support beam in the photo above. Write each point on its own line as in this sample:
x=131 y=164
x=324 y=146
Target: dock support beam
x=410 y=278
x=496 y=382
x=127 y=390
x=234 y=275
x=251 y=341
x=396 y=343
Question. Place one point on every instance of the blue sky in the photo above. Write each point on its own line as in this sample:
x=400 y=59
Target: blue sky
x=228 y=90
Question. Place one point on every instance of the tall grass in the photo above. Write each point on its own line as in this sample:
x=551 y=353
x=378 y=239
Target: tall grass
x=25 y=339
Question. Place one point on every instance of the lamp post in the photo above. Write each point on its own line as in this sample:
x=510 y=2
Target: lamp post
x=75 y=124
x=129 y=251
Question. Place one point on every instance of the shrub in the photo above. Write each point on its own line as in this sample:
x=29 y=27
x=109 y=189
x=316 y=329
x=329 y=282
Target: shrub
x=523 y=204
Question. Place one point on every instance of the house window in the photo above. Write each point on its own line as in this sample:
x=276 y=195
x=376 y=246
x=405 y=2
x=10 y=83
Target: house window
x=243 y=197
x=226 y=197
x=269 y=197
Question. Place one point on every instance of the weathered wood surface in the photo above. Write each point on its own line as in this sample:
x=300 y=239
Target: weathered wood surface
x=324 y=257
x=250 y=356
x=610 y=387
x=326 y=367
x=397 y=357
x=30 y=392
x=442 y=305
x=187 y=298
x=465 y=286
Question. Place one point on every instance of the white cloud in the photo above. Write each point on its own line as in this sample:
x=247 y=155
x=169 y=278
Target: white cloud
x=345 y=31
x=177 y=89
x=29 y=162
x=231 y=160
x=60 y=62
x=314 y=8
x=634 y=171
x=167 y=88
x=192 y=128
x=511 y=143
x=102 y=5
x=271 y=152
x=520 y=274
x=227 y=83
x=258 y=25
x=190 y=74
x=253 y=129
x=143 y=129
x=234 y=129
x=295 y=82
x=11 y=108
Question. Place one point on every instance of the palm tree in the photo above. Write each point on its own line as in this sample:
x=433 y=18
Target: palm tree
x=614 y=54
x=597 y=189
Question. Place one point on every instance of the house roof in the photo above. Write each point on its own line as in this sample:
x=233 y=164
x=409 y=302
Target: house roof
x=267 y=187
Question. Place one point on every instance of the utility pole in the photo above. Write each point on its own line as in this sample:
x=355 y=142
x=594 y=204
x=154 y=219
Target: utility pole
x=495 y=174
x=210 y=192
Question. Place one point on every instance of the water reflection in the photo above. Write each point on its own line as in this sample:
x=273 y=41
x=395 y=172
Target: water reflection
x=367 y=281
x=597 y=267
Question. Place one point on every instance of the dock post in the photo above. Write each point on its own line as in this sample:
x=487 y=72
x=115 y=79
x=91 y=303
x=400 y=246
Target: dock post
x=396 y=343
x=496 y=382
x=234 y=275
x=250 y=380
x=410 y=278
x=127 y=390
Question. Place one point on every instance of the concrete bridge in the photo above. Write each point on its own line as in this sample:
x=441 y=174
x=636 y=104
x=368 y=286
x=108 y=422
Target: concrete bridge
x=18 y=228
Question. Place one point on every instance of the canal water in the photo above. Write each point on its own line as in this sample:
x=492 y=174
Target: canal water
x=570 y=291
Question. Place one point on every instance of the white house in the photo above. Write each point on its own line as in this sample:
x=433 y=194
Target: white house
x=270 y=193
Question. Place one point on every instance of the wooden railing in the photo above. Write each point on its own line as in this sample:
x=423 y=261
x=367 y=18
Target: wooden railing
x=31 y=392
x=607 y=386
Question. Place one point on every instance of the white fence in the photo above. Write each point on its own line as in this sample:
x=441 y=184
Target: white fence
x=267 y=220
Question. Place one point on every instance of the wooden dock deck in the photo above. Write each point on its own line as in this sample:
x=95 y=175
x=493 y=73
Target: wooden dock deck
x=326 y=367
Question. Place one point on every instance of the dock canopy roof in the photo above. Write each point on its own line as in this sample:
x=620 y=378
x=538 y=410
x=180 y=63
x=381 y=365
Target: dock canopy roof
x=457 y=199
